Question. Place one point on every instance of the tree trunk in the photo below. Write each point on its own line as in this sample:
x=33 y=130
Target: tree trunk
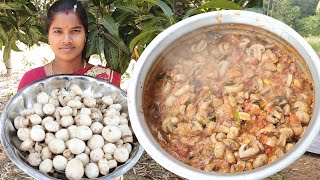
x=8 y=65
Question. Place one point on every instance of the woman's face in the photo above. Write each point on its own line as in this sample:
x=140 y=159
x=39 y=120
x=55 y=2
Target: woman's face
x=66 y=36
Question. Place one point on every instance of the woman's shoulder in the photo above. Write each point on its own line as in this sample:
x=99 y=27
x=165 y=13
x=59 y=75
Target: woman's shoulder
x=31 y=76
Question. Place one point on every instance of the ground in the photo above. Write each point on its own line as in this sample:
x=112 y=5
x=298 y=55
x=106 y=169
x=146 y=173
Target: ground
x=306 y=167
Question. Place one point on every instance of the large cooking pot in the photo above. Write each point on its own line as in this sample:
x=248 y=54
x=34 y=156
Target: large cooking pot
x=149 y=58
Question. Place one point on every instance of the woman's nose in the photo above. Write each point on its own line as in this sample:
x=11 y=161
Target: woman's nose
x=67 y=39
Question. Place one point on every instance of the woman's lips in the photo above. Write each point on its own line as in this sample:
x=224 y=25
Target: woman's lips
x=66 y=49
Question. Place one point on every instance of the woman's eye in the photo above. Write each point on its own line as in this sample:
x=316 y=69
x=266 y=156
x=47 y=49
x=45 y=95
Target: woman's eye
x=76 y=30
x=57 y=31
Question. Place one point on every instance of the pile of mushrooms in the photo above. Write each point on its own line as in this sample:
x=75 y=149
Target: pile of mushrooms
x=74 y=132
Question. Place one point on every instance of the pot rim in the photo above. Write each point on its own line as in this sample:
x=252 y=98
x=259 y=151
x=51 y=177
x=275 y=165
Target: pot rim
x=174 y=32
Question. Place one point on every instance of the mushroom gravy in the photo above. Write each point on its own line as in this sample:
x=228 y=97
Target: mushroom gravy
x=228 y=98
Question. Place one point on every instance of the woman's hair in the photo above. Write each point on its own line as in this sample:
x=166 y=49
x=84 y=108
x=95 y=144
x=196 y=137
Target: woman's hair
x=65 y=6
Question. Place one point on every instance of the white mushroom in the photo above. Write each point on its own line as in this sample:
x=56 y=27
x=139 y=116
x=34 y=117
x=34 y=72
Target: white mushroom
x=303 y=117
x=27 y=144
x=57 y=146
x=66 y=111
x=128 y=146
x=125 y=130
x=38 y=109
x=96 y=127
x=76 y=89
x=111 y=133
x=83 y=132
x=62 y=134
x=76 y=145
x=107 y=100
x=37 y=134
x=112 y=120
x=127 y=139
x=46 y=153
x=246 y=151
x=84 y=158
x=108 y=156
x=34 y=159
x=49 y=137
x=23 y=133
x=112 y=164
x=55 y=93
x=66 y=121
x=43 y=98
x=92 y=170
x=96 y=141
x=52 y=126
x=103 y=166
x=59 y=163
x=46 y=119
x=96 y=155
x=46 y=166
x=83 y=120
x=74 y=169
x=48 y=109
x=74 y=104
x=55 y=102
x=109 y=148
x=256 y=51
x=18 y=122
x=89 y=102
x=85 y=110
x=121 y=154
x=72 y=131
x=260 y=160
x=68 y=154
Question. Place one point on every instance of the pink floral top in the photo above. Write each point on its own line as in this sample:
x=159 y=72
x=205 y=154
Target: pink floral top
x=95 y=71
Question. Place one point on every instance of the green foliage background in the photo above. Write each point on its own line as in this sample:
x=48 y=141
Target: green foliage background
x=119 y=30
x=301 y=15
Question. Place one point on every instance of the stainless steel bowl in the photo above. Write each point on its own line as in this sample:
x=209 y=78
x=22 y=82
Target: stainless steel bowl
x=168 y=37
x=26 y=97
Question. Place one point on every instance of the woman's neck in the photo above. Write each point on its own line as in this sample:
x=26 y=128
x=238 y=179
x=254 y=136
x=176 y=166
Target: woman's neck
x=66 y=67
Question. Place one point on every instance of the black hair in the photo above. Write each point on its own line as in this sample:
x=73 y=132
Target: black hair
x=64 y=6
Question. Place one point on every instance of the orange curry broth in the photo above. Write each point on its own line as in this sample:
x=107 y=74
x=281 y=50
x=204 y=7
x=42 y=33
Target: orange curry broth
x=216 y=91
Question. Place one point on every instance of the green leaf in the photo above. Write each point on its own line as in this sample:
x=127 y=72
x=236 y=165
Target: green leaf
x=109 y=23
x=23 y=20
x=8 y=20
x=123 y=16
x=96 y=2
x=3 y=35
x=165 y=8
x=140 y=37
x=221 y=4
x=24 y=38
x=11 y=5
x=91 y=44
x=117 y=42
x=100 y=46
x=188 y=13
x=108 y=2
x=128 y=8
x=34 y=33
x=1 y=43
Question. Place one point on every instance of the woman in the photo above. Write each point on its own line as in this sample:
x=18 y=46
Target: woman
x=67 y=30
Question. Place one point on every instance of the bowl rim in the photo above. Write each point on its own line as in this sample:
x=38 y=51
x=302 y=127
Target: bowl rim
x=33 y=172
x=195 y=22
